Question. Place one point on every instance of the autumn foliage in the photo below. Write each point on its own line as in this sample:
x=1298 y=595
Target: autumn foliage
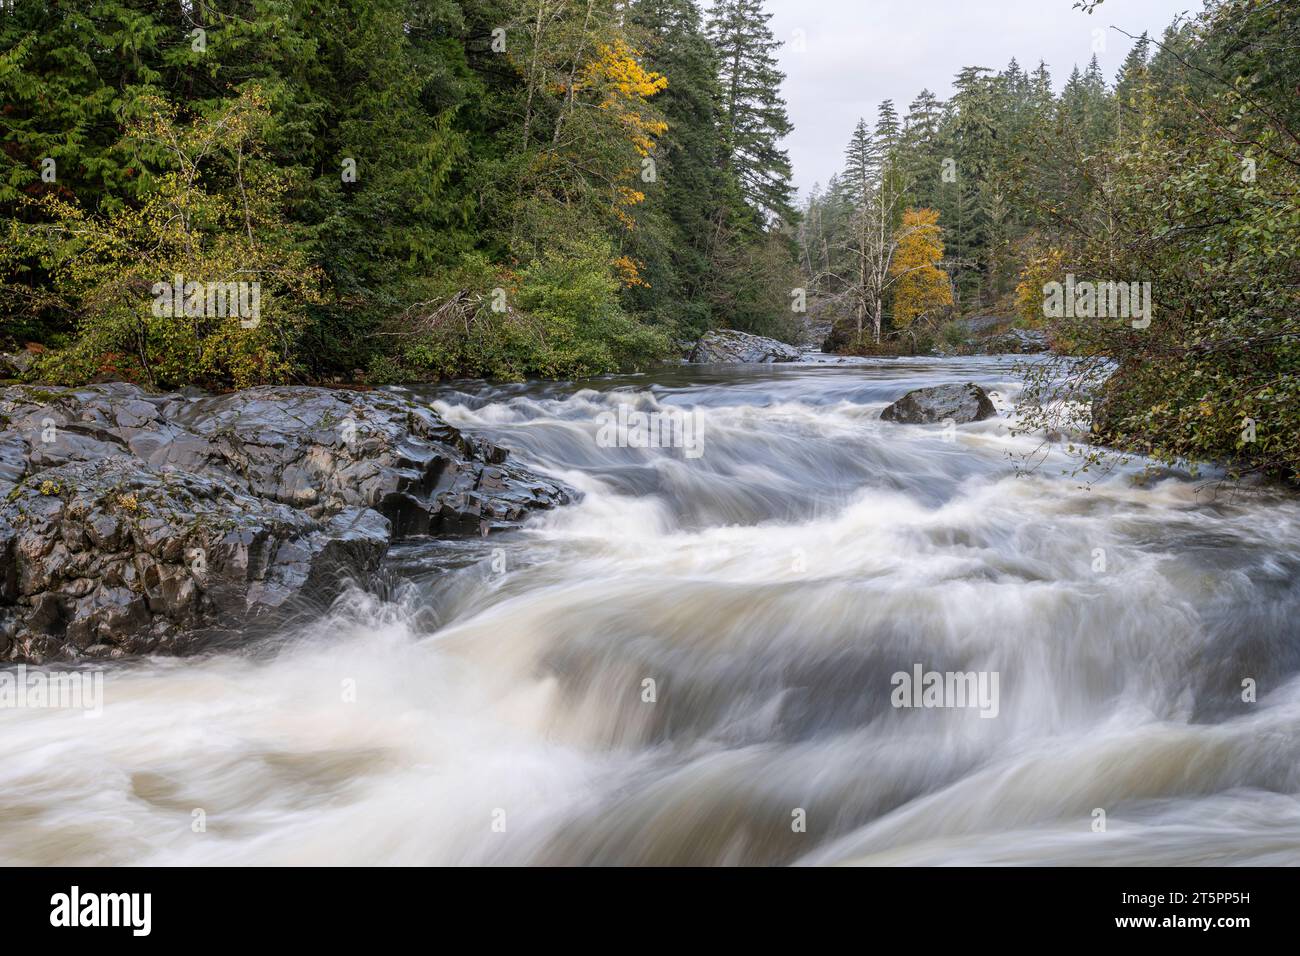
x=920 y=286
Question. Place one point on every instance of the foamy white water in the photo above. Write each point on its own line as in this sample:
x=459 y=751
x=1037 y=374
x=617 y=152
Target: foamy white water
x=491 y=710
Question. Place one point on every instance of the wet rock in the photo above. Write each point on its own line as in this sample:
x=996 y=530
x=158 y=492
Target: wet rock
x=173 y=553
x=140 y=523
x=923 y=406
x=729 y=345
x=815 y=336
x=325 y=450
x=1152 y=475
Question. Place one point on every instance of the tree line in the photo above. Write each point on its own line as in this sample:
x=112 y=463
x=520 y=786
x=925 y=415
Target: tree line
x=415 y=188
x=420 y=189
x=1181 y=174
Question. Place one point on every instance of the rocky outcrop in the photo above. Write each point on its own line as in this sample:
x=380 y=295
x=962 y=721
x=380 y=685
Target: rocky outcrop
x=106 y=558
x=15 y=364
x=958 y=403
x=728 y=345
x=838 y=337
x=1016 y=341
x=984 y=324
x=132 y=522
x=814 y=335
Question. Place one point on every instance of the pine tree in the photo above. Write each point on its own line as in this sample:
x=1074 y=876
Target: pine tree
x=969 y=138
x=1132 y=73
x=922 y=122
x=693 y=191
x=859 y=165
x=875 y=191
x=754 y=118
x=887 y=130
x=919 y=157
x=1041 y=85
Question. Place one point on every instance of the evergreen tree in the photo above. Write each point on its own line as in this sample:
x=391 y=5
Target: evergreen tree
x=919 y=156
x=886 y=131
x=754 y=117
x=968 y=139
x=1132 y=74
x=860 y=165
x=692 y=190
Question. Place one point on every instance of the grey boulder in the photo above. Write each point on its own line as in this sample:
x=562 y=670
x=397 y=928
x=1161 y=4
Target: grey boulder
x=939 y=403
x=105 y=558
x=731 y=346
x=15 y=364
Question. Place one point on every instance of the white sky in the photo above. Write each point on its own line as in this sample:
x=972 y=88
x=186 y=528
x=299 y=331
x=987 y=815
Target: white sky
x=859 y=52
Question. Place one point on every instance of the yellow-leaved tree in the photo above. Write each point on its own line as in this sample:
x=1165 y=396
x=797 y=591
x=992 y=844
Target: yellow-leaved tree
x=920 y=286
x=1043 y=267
x=624 y=87
x=589 y=130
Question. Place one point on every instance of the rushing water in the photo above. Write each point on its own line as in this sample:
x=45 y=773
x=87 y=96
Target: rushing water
x=493 y=708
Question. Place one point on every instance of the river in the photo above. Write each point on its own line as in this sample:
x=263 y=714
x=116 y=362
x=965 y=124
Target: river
x=697 y=663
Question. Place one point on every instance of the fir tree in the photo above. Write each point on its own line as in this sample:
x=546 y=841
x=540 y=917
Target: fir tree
x=754 y=116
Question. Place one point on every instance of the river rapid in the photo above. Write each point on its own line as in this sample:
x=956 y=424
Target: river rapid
x=697 y=662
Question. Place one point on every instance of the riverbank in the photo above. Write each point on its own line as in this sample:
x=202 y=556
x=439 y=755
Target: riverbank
x=133 y=522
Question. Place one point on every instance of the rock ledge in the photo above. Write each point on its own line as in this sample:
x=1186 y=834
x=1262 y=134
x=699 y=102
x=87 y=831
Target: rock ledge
x=132 y=522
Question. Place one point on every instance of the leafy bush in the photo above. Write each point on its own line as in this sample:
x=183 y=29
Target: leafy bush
x=1215 y=376
x=558 y=317
x=953 y=335
x=211 y=216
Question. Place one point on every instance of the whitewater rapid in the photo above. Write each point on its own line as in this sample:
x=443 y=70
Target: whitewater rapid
x=694 y=663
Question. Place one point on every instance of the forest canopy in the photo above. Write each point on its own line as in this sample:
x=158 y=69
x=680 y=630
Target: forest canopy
x=418 y=188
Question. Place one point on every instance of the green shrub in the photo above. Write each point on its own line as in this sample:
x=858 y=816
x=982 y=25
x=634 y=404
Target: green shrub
x=560 y=317
x=214 y=218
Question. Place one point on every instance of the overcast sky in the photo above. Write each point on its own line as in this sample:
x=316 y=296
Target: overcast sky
x=859 y=52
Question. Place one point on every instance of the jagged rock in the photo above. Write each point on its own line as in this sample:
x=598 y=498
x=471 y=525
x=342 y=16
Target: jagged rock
x=728 y=345
x=132 y=522
x=110 y=555
x=815 y=336
x=923 y=406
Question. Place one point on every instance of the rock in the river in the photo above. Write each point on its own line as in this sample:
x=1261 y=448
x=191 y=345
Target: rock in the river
x=1017 y=341
x=728 y=345
x=132 y=522
x=923 y=406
